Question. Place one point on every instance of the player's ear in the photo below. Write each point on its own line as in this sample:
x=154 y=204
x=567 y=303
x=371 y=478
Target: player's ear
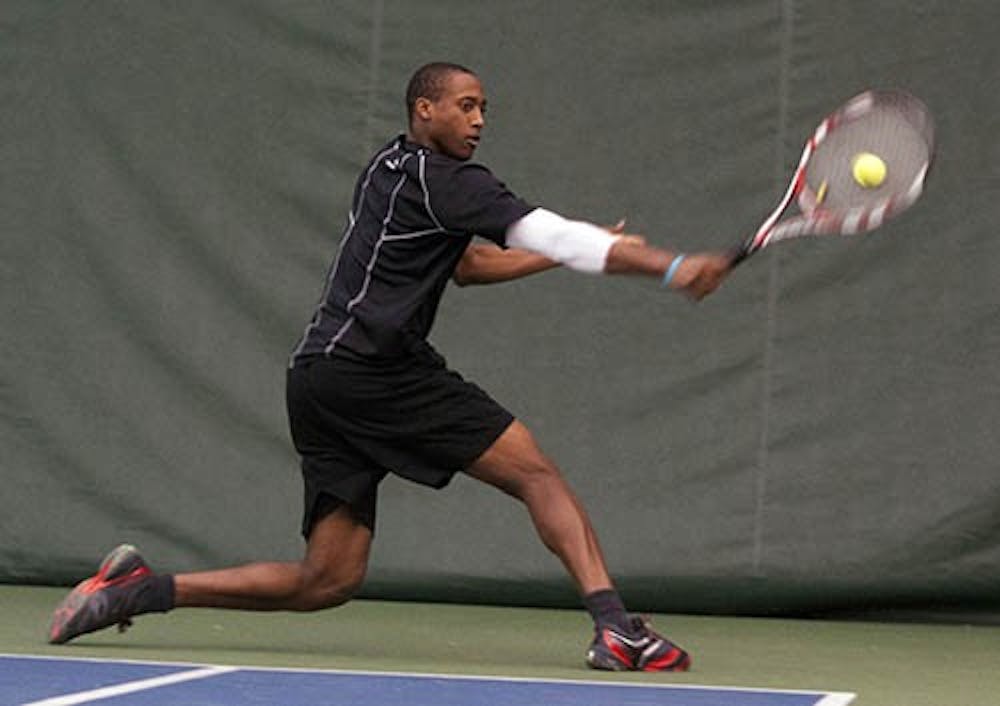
x=422 y=108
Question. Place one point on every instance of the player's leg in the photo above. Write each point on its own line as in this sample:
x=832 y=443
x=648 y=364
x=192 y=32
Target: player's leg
x=516 y=465
x=333 y=568
x=330 y=573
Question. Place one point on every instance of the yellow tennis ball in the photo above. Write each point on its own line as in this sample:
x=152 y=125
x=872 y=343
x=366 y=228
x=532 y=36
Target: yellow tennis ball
x=868 y=169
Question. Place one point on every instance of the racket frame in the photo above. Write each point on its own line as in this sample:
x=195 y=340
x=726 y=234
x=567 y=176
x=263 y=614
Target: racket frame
x=816 y=219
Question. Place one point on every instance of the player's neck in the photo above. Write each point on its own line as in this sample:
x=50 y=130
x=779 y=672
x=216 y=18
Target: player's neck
x=419 y=138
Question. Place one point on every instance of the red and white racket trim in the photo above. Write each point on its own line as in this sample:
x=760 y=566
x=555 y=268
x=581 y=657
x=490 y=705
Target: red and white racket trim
x=797 y=188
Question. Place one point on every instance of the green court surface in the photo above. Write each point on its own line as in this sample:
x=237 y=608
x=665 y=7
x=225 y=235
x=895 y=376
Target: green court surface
x=902 y=664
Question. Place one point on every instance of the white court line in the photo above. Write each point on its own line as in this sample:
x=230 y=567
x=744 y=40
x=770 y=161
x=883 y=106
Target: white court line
x=828 y=698
x=129 y=687
x=836 y=699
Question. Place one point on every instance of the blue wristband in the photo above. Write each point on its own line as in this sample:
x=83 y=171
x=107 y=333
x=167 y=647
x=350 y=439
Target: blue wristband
x=672 y=270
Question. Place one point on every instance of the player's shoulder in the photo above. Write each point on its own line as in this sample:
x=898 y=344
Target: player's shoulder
x=418 y=158
x=439 y=173
x=444 y=166
x=442 y=173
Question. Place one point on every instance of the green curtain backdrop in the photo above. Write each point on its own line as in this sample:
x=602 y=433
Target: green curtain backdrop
x=820 y=434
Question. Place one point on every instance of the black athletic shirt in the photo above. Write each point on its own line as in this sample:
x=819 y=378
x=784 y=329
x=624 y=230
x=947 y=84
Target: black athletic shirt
x=413 y=214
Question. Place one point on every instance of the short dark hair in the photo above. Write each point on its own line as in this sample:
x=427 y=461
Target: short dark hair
x=428 y=82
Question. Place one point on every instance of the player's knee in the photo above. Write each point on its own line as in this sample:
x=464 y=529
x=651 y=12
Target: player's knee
x=335 y=594
x=324 y=589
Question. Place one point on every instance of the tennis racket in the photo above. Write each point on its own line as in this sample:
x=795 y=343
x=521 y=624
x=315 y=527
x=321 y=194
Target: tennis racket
x=893 y=126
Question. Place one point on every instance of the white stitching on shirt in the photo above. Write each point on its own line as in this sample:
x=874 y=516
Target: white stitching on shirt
x=415 y=234
x=427 y=193
x=352 y=218
x=359 y=297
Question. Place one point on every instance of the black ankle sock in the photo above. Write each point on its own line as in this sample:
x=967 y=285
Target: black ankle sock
x=156 y=595
x=606 y=608
x=165 y=592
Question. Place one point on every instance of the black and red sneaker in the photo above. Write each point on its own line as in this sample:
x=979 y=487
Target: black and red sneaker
x=640 y=649
x=109 y=597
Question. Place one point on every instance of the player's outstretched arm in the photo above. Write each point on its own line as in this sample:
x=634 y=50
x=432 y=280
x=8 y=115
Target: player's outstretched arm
x=585 y=247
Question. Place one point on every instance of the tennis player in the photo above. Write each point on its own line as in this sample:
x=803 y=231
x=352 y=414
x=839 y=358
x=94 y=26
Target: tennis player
x=367 y=394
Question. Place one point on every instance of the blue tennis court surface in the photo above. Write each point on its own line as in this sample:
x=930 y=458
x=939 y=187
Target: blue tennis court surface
x=42 y=681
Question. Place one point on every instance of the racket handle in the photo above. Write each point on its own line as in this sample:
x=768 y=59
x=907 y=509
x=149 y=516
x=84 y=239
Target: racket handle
x=738 y=254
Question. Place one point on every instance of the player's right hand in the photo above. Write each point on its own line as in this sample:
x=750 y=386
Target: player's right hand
x=700 y=274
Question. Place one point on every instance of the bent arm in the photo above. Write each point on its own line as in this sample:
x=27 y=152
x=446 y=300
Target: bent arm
x=489 y=264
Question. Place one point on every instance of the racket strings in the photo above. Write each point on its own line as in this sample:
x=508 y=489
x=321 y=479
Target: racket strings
x=892 y=125
x=897 y=129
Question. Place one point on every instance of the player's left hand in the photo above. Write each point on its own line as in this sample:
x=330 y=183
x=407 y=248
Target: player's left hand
x=630 y=238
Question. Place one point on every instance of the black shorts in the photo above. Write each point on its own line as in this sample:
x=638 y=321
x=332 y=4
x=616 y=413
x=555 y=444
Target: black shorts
x=354 y=421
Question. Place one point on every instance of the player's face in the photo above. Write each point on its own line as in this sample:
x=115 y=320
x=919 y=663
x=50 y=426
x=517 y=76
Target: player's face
x=457 y=118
